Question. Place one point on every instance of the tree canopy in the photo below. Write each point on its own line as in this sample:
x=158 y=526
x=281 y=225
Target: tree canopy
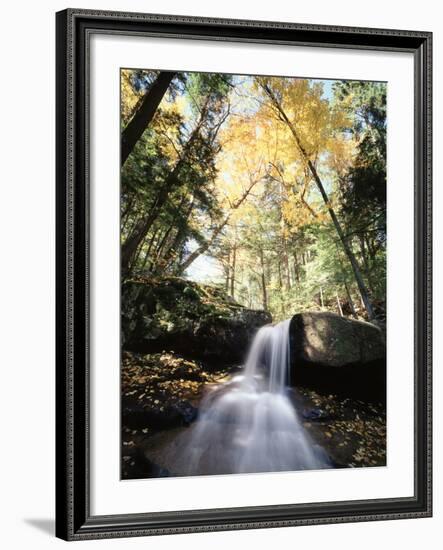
x=273 y=188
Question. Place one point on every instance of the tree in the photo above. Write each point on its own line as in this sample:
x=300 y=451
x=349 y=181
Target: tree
x=182 y=159
x=311 y=149
x=278 y=187
x=363 y=184
x=145 y=113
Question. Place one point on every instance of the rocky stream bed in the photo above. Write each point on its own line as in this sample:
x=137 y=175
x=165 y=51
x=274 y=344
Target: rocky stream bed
x=180 y=339
x=162 y=392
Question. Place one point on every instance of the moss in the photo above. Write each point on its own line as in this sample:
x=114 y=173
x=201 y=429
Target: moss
x=175 y=300
x=174 y=313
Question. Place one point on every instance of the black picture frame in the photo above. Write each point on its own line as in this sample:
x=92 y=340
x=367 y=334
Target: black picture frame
x=73 y=518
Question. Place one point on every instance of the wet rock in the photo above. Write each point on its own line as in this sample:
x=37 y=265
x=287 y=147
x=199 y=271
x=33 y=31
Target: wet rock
x=187 y=412
x=315 y=415
x=135 y=465
x=138 y=415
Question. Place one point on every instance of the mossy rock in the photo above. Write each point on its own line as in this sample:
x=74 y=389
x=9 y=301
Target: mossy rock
x=196 y=320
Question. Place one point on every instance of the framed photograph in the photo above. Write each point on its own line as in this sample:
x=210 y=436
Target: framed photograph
x=243 y=274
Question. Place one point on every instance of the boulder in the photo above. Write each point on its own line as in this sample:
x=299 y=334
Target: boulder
x=136 y=415
x=338 y=355
x=195 y=320
x=324 y=338
x=135 y=465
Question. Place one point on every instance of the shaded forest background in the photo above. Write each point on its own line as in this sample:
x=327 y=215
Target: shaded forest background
x=271 y=188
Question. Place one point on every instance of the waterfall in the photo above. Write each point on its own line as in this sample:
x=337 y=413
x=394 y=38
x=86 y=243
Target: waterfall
x=250 y=423
x=269 y=357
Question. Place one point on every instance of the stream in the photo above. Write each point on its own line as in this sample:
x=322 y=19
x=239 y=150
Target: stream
x=247 y=424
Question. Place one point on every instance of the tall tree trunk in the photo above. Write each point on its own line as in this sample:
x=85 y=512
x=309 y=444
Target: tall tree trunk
x=207 y=244
x=366 y=262
x=160 y=250
x=171 y=181
x=350 y=300
x=126 y=211
x=371 y=248
x=296 y=268
x=143 y=225
x=180 y=235
x=228 y=271
x=345 y=284
x=263 y=281
x=136 y=256
x=161 y=246
x=322 y=304
x=280 y=282
x=287 y=268
x=148 y=250
x=130 y=226
x=249 y=294
x=234 y=259
x=349 y=253
x=339 y=305
x=280 y=286
x=124 y=224
x=145 y=113
x=203 y=247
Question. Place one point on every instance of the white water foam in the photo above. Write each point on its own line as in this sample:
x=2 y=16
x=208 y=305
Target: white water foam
x=250 y=424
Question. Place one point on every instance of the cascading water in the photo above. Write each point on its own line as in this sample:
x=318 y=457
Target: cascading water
x=250 y=424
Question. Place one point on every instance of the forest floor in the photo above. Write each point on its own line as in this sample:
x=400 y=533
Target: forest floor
x=160 y=398
x=353 y=432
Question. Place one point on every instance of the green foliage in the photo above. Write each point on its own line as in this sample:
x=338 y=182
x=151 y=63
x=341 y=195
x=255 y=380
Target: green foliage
x=217 y=172
x=364 y=186
x=179 y=146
